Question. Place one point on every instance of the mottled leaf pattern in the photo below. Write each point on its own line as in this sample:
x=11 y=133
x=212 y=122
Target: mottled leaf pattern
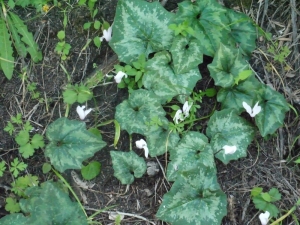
x=227 y=128
x=242 y=31
x=227 y=65
x=274 y=107
x=47 y=204
x=125 y=163
x=135 y=113
x=140 y=28
x=70 y=144
x=161 y=79
x=186 y=54
x=194 y=199
x=234 y=96
x=193 y=151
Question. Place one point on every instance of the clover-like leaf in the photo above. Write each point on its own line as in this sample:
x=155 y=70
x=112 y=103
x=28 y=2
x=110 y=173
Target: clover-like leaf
x=44 y=205
x=140 y=28
x=242 y=31
x=194 y=199
x=134 y=114
x=186 y=54
x=192 y=151
x=227 y=128
x=228 y=63
x=274 y=107
x=161 y=79
x=233 y=96
x=70 y=144
x=126 y=163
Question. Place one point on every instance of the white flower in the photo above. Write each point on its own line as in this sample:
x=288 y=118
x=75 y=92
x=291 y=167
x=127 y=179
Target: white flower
x=81 y=112
x=106 y=34
x=264 y=218
x=119 y=76
x=252 y=112
x=229 y=149
x=186 y=109
x=141 y=144
x=178 y=116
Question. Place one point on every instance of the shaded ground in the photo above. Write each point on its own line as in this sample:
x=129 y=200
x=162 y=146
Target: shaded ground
x=269 y=162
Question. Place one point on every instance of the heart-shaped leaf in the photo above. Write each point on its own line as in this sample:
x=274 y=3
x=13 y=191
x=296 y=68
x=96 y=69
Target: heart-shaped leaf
x=194 y=199
x=242 y=31
x=273 y=109
x=140 y=28
x=126 y=163
x=227 y=128
x=161 y=79
x=191 y=152
x=70 y=144
x=234 y=96
x=186 y=54
x=228 y=63
x=135 y=113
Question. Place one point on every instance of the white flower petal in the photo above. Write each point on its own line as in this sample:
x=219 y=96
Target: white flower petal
x=247 y=107
x=178 y=116
x=142 y=144
x=81 y=112
x=106 y=34
x=119 y=76
x=252 y=112
x=229 y=149
x=256 y=109
x=146 y=151
x=186 y=109
x=264 y=218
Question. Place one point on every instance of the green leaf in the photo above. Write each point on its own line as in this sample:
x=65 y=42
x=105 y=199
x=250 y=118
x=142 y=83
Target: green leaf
x=191 y=153
x=261 y=204
x=37 y=141
x=19 y=46
x=97 y=24
x=22 y=138
x=126 y=163
x=256 y=191
x=9 y=128
x=243 y=76
x=97 y=42
x=12 y=205
x=140 y=27
x=161 y=79
x=234 y=96
x=194 y=199
x=61 y=35
x=46 y=168
x=75 y=93
x=26 y=150
x=44 y=206
x=87 y=25
x=17 y=166
x=275 y=195
x=21 y=183
x=6 y=53
x=27 y=38
x=134 y=113
x=273 y=109
x=227 y=128
x=186 y=54
x=90 y=171
x=242 y=31
x=227 y=66
x=70 y=144
x=2 y=168
x=266 y=197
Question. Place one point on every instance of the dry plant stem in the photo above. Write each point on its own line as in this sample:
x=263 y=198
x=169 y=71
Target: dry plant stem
x=125 y=214
x=294 y=33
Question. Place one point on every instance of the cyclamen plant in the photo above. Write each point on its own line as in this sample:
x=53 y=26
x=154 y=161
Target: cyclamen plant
x=174 y=45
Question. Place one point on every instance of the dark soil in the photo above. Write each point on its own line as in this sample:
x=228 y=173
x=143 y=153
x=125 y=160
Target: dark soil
x=268 y=164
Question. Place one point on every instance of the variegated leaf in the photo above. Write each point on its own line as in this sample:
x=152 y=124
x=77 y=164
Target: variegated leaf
x=161 y=79
x=209 y=21
x=191 y=152
x=126 y=163
x=194 y=199
x=186 y=54
x=228 y=63
x=139 y=28
x=272 y=114
x=227 y=128
x=242 y=31
x=234 y=96
x=135 y=113
x=70 y=144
